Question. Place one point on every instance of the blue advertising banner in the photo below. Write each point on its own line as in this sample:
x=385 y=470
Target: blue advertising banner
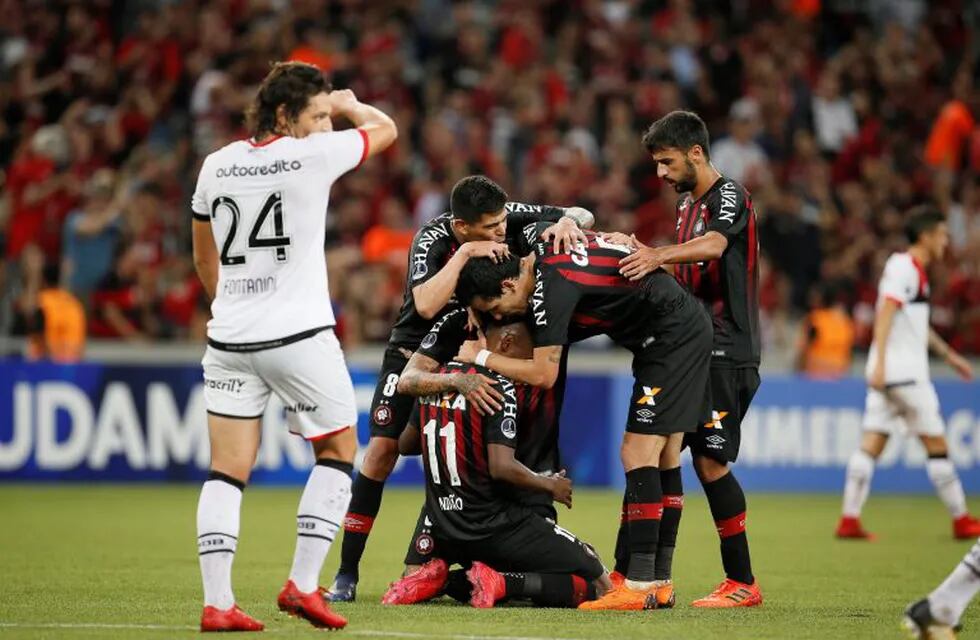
x=101 y=423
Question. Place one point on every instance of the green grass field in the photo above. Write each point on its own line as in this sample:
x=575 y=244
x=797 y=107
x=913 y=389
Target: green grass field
x=120 y=562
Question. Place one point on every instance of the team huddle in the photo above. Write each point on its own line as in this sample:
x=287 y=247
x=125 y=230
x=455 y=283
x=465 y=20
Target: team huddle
x=474 y=374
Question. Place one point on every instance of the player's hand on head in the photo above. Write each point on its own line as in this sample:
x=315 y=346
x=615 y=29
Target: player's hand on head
x=472 y=321
x=618 y=237
x=496 y=251
x=468 y=351
x=561 y=488
x=643 y=261
x=342 y=101
x=479 y=390
x=564 y=236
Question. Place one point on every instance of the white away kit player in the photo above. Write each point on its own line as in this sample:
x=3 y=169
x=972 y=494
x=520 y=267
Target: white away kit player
x=260 y=212
x=901 y=398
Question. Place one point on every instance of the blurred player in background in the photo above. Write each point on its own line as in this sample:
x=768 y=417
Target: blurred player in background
x=259 y=213
x=901 y=398
x=716 y=258
x=481 y=224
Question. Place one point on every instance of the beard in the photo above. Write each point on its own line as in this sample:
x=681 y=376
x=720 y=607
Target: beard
x=688 y=181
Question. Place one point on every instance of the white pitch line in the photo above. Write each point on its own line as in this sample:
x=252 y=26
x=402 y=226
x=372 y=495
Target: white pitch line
x=355 y=632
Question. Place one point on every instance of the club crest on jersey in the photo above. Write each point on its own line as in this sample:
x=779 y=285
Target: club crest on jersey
x=699 y=227
x=716 y=418
x=429 y=340
x=382 y=415
x=508 y=426
x=424 y=544
x=648 y=396
x=419 y=270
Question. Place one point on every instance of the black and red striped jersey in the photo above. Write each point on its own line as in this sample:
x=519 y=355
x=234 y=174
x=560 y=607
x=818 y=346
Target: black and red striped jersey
x=462 y=498
x=728 y=286
x=540 y=409
x=580 y=294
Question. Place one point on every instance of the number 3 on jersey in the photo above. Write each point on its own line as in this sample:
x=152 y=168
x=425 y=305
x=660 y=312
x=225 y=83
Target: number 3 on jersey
x=278 y=241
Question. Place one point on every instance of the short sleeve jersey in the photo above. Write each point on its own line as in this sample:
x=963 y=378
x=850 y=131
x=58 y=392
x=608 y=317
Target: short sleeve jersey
x=267 y=206
x=434 y=244
x=728 y=286
x=905 y=282
x=462 y=498
x=583 y=293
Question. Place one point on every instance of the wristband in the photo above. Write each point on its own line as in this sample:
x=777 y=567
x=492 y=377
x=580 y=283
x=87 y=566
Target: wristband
x=481 y=358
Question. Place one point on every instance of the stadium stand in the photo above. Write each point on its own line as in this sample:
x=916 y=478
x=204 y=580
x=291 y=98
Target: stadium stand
x=838 y=115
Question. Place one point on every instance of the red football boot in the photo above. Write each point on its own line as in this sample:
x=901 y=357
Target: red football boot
x=617 y=579
x=851 y=529
x=423 y=584
x=233 y=619
x=488 y=586
x=310 y=606
x=966 y=527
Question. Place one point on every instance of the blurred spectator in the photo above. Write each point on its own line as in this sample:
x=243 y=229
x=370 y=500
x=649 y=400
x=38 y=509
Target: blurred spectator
x=91 y=234
x=738 y=155
x=58 y=330
x=834 y=119
x=827 y=336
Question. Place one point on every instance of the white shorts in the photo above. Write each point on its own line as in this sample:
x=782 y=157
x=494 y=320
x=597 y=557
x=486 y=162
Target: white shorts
x=309 y=376
x=909 y=408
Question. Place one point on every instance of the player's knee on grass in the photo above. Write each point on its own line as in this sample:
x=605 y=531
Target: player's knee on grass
x=341 y=446
x=641 y=450
x=380 y=457
x=709 y=469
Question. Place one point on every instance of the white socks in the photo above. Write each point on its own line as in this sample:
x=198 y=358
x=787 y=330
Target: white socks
x=321 y=513
x=217 y=536
x=860 y=469
x=950 y=598
x=944 y=478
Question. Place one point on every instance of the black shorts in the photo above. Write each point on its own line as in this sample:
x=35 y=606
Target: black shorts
x=533 y=544
x=390 y=410
x=422 y=546
x=732 y=391
x=671 y=392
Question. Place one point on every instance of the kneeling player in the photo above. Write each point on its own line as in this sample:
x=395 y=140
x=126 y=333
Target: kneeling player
x=471 y=474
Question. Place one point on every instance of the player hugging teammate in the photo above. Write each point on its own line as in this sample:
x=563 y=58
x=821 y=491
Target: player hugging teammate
x=694 y=337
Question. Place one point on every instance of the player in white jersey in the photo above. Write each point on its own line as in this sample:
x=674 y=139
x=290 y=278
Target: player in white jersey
x=901 y=398
x=937 y=616
x=259 y=222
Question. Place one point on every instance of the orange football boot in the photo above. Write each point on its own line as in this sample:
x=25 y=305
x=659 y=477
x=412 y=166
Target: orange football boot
x=731 y=594
x=662 y=596
x=621 y=598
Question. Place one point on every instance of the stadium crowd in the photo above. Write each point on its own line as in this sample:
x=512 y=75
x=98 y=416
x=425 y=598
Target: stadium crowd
x=837 y=115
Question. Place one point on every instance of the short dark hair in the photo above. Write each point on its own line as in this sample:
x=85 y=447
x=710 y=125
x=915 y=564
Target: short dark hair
x=677 y=130
x=483 y=277
x=922 y=219
x=290 y=84
x=474 y=197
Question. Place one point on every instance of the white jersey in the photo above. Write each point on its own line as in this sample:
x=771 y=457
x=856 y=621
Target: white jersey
x=267 y=204
x=907 y=350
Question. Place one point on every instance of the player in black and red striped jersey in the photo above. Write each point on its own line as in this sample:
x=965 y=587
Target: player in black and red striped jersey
x=478 y=520
x=539 y=409
x=482 y=223
x=716 y=258
x=667 y=330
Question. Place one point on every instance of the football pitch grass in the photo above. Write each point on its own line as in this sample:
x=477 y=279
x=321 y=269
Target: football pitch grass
x=120 y=562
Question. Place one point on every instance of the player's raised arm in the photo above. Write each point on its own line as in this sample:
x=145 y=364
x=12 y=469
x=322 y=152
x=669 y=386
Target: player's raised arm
x=380 y=128
x=434 y=294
